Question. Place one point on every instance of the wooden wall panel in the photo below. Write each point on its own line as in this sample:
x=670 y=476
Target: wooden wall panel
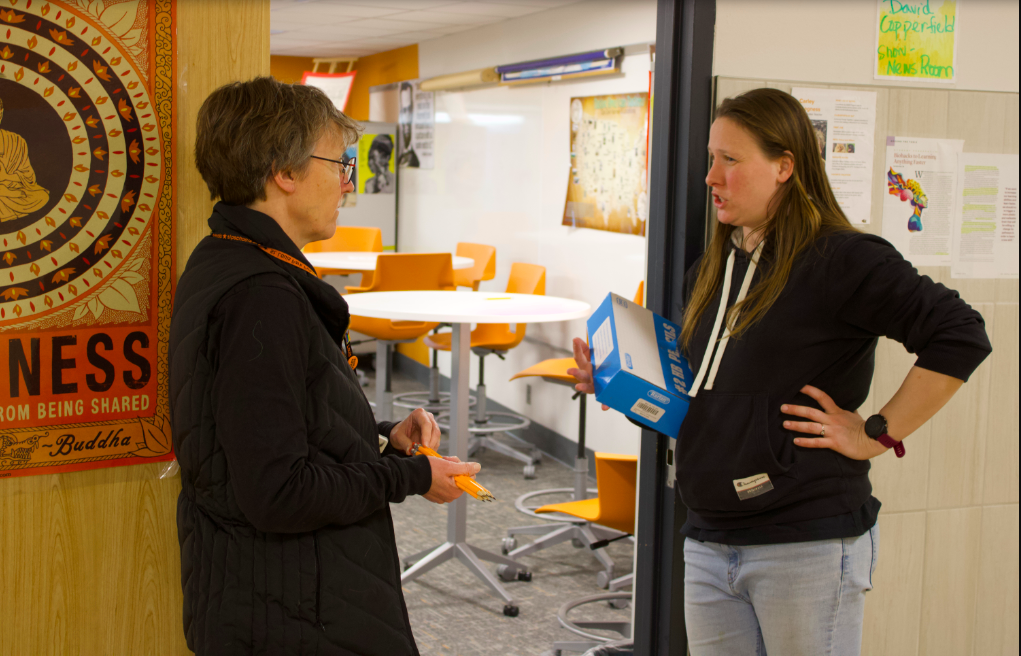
x=943 y=511
x=893 y=609
x=89 y=562
x=1001 y=466
x=996 y=626
x=949 y=582
x=219 y=42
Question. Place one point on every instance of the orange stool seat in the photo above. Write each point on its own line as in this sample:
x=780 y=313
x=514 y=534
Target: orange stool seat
x=554 y=370
x=616 y=482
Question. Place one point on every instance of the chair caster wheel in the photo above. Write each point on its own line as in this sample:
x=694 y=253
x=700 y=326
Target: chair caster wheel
x=529 y=471
x=603 y=580
x=510 y=611
x=525 y=576
x=508 y=545
x=406 y=566
x=536 y=457
x=577 y=544
x=506 y=574
x=618 y=603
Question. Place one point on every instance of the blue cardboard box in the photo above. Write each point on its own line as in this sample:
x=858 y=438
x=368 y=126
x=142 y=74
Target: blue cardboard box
x=636 y=364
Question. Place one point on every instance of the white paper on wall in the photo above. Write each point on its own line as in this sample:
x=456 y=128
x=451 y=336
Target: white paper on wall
x=919 y=204
x=845 y=128
x=416 y=126
x=985 y=217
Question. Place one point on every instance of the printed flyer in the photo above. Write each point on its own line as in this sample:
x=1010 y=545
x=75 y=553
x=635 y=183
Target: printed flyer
x=919 y=203
x=87 y=258
x=416 y=122
x=845 y=129
x=985 y=217
x=607 y=187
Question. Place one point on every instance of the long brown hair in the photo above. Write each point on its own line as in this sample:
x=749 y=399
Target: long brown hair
x=801 y=208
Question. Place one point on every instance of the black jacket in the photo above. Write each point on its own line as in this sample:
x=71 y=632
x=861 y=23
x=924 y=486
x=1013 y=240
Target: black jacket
x=287 y=543
x=843 y=293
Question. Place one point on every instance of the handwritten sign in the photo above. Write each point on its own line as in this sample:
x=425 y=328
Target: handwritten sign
x=916 y=40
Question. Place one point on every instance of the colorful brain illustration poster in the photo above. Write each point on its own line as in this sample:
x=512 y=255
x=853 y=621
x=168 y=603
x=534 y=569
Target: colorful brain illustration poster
x=86 y=234
x=918 y=206
x=607 y=188
x=916 y=40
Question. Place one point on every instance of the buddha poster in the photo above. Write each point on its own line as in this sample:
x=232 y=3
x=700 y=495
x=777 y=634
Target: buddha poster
x=86 y=234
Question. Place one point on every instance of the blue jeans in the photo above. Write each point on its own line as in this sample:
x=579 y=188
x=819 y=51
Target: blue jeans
x=804 y=598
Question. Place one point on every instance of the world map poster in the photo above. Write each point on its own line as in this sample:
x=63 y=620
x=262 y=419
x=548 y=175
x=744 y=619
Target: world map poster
x=608 y=185
x=86 y=233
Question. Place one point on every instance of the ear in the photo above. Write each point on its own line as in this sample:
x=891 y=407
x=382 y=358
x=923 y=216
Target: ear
x=285 y=180
x=786 y=167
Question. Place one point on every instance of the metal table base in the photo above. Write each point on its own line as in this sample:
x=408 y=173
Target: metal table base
x=457 y=545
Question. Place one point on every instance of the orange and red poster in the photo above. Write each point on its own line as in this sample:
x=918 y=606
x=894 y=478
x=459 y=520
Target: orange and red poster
x=86 y=233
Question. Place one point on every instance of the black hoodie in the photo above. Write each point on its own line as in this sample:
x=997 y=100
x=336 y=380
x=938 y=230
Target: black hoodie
x=844 y=292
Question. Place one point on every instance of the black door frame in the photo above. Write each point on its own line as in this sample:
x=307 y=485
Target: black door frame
x=683 y=92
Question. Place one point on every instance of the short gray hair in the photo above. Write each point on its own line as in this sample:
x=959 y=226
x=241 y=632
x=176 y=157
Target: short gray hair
x=248 y=131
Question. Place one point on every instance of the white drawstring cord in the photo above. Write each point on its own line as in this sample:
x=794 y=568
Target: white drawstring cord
x=708 y=358
x=725 y=291
x=742 y=293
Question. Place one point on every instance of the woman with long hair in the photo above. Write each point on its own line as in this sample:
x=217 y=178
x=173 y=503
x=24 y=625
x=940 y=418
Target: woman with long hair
x=781 y=318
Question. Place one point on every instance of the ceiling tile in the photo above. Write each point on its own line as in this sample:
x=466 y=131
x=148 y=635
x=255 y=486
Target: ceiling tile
x=445 y=16
x=541 y=4
x=450 y=29
x=409 y=5
x=420 y=35
x=538 y=4
x=393 y=25
x=331 y=10
x=334 y=32
x=493 y=9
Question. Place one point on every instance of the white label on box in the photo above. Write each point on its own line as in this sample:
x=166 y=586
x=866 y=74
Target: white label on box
x=647 y=410
x=602 y=343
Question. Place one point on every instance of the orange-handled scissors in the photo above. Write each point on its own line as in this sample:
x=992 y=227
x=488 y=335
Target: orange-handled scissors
x=466 y=483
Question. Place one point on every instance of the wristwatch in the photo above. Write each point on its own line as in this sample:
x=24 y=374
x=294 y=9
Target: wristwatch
x=875 y=428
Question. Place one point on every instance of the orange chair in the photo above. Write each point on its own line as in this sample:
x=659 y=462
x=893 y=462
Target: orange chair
x=497 y=338
x=614 y=507
x=399 y=272
x=485 y=269
x=349 y=239
x=564 y=528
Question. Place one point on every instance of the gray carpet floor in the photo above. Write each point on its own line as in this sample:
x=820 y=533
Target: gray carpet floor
x=452 y=612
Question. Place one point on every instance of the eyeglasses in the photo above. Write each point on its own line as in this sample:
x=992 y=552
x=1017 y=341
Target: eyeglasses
x=347 y=168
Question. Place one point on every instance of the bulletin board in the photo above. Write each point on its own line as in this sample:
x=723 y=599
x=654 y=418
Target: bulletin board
x=986 y=121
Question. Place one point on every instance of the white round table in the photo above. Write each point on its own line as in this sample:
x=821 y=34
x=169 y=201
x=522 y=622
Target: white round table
x=461 y=310
x=363 y=261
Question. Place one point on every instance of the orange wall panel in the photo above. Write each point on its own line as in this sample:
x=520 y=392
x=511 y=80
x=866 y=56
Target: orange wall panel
x=380 y=68
x=289 y=69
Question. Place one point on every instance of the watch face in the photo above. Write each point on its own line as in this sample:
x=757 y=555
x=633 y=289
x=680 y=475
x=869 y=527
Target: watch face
x=875 y=426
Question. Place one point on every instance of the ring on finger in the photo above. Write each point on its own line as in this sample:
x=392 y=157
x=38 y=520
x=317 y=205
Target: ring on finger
x=822 y=432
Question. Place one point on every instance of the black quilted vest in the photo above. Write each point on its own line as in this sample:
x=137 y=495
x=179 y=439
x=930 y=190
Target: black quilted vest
x=332 y=591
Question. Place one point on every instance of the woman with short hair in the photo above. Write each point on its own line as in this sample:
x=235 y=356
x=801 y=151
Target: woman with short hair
x=781 y=319
x=287 y=543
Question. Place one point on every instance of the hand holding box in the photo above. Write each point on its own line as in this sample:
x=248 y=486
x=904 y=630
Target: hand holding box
x=637 y=366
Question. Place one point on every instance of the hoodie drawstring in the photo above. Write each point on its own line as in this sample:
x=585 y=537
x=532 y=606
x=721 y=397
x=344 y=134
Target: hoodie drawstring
x=708 y=358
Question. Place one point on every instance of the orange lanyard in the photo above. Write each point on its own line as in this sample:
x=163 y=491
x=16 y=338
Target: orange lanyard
x=284 y=257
